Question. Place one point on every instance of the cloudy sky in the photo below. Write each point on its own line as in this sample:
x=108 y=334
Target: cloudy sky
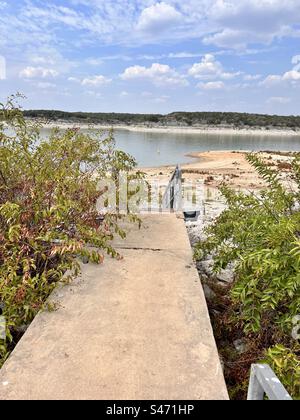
x=152 y=56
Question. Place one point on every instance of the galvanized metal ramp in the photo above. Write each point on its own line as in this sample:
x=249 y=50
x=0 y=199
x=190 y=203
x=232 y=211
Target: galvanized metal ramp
x=131 y=329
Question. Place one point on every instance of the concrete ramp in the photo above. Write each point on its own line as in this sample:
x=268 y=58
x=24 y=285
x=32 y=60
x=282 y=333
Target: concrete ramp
x=131 y=329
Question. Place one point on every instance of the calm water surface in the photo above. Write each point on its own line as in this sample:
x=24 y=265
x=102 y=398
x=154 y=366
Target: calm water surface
x=157 y=149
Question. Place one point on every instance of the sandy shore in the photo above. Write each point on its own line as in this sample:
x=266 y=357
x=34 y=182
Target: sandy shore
x=207 y=173
x=215 y=168
x=212 y=130
x=180 y=130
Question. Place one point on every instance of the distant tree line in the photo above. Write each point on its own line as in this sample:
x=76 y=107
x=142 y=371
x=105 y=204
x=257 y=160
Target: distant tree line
x=191 y=119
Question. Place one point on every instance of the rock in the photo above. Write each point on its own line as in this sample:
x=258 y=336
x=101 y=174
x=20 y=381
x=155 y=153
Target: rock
x=208 y=292
x=195 y=232
x=206 y=267
x=240 y=345
x=2 y=307
x=21 y=329
x=216 y=313
x=222 y=284
x=204 y=278
x=226 y=276
x=222 y=364
x=85 y=259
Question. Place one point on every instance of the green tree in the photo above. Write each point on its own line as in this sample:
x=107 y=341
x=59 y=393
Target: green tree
x=48 y=215
x=260 y=234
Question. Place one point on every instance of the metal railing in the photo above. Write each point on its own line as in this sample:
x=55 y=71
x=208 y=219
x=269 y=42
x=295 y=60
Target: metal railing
x=172 y=198
x=264 y=382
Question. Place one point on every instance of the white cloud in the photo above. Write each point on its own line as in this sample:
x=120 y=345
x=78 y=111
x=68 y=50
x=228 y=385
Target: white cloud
x=227 y=23
x=175 y=55
x=207 y=68
x=183 y=55
x=291 y=76
x=279 y=100
x=93 y=93
x=296 y=59
x=159 y=74
x=271 y=80
x=124 y=94
x=247 y=22
x=158 y=18
x=251 y=77
x=146 y=94
x=237 y=39
x=161 y=99
x=94 y=61
x=74 y=79
x=64 y=15
x=211 y=85
x=49 y=57
x=276 y=79
x=210 y=68
x=45 y=85
x=37 y=72
x=95 y=81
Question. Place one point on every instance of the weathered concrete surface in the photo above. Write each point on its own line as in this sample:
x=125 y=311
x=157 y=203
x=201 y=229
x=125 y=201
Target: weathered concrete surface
x=131 y=329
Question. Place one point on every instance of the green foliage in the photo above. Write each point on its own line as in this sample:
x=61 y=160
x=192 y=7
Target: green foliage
x=48 y=215
x=286 y=366
x=260 y=234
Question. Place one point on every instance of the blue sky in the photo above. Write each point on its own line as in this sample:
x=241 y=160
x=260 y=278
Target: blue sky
x=152 y=56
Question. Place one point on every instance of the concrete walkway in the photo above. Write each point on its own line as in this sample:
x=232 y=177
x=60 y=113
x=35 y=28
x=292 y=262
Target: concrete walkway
x=131 y=329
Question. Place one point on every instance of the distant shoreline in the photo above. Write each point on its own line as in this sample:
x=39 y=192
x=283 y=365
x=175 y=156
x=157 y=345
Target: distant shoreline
x=180 y=130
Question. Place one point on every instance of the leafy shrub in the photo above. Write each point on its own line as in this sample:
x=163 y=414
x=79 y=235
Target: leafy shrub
x=48 y=215
x=260 y=234
x=286 y=366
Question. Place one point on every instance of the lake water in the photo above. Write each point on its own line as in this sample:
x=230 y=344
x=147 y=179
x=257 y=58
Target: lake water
x=157 y=149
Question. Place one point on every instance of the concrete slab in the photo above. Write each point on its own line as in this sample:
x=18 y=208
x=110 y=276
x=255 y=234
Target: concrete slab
x=131 y=329
x=162 y=231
